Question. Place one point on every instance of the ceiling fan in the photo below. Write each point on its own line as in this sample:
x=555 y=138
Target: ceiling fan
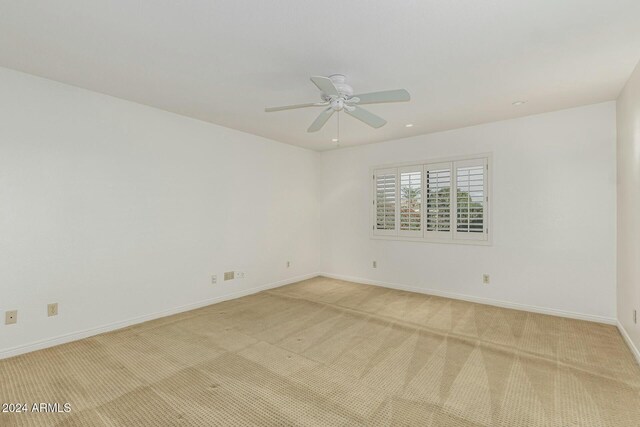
x=338 y=96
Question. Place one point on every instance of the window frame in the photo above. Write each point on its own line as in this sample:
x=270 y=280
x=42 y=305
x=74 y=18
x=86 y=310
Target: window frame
x=452 y=236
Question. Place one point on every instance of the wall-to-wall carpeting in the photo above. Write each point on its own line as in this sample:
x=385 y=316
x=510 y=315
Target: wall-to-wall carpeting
x=325 y=352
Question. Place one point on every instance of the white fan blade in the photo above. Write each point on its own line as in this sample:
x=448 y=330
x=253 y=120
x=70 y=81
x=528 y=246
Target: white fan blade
x=398 y=95
x=291 y=107
x=366 y=117
x=325 y=85
x=321 y=120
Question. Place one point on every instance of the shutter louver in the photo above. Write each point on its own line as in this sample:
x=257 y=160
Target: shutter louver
x=385 y=213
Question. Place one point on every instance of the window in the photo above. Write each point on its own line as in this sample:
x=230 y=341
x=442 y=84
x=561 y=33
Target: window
x=433 y=201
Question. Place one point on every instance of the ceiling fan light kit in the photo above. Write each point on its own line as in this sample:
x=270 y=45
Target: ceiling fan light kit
x=337 y=95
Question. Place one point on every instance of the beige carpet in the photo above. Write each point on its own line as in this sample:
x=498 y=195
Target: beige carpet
x=329 y=353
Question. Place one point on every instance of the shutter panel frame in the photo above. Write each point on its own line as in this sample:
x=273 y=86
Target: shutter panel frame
x=466 y=178
x=411 y=224
x=385 y=206
x=438 y=225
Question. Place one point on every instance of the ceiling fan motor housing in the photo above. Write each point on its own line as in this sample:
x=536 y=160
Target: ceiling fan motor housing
x=343 y=88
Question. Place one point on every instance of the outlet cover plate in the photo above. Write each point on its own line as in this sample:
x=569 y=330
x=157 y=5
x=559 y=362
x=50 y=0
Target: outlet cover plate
x=52 y=309
x=11 y=317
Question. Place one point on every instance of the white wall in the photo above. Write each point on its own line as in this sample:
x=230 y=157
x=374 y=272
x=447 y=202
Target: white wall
x=121 y=212
x=628 y=115
x=118 y=211
x=553 y=215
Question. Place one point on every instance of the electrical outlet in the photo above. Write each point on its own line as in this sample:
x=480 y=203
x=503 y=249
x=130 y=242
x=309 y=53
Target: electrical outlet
x=486 y=279
x=240 y=274
x=229 y=275
x=11 y=317
x=214 y=279
x=52 y=309
x=375 y=264
x=288 y=264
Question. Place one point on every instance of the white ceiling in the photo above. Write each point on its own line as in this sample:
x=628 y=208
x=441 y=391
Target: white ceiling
x=464 y=61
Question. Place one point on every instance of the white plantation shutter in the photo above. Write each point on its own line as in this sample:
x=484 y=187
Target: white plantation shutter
x=440 y=202
x=385 y=212
x=438 y=195
x=410 y=201
x=471 y=199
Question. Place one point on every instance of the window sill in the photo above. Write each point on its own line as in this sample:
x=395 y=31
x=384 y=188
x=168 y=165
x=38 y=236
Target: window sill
x=423 y=240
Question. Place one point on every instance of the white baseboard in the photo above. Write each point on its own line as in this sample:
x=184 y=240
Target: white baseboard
x=630 y=343
x=480 y=300
x=74 y=336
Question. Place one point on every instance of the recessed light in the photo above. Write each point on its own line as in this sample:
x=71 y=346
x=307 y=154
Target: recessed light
x=518 y=103
x=334 y=140
x=409 y=125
